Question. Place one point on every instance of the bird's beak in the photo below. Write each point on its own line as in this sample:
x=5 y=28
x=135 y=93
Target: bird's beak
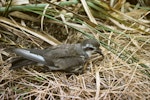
x=100 y=52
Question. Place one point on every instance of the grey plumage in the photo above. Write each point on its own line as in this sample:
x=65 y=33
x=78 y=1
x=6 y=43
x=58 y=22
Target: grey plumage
x=65 y=57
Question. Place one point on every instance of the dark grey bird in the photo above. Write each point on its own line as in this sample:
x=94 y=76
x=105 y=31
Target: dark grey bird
x=66 y=57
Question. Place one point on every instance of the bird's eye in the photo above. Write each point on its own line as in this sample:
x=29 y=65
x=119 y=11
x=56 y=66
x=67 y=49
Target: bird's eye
x=89 y=48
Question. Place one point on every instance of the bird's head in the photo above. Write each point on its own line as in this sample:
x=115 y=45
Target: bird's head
x=91 y=46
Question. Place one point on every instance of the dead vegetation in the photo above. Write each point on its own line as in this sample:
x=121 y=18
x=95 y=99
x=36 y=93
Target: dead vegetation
x=122 y=29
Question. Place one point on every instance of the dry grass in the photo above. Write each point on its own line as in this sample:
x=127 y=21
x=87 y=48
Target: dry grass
x=114 y=78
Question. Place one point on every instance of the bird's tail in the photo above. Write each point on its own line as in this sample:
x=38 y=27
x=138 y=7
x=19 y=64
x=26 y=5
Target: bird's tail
x=20 y=62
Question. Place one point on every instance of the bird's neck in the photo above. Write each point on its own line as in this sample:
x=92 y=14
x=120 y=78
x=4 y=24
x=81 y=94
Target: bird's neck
x=89 y=53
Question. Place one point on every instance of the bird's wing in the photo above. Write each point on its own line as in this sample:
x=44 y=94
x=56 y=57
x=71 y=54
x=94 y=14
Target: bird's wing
x=69 y=64
x=65 y=50
x=65 y=56
x=31 y=54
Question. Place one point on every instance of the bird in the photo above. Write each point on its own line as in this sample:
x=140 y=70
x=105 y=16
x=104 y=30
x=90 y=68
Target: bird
x=65 y=57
